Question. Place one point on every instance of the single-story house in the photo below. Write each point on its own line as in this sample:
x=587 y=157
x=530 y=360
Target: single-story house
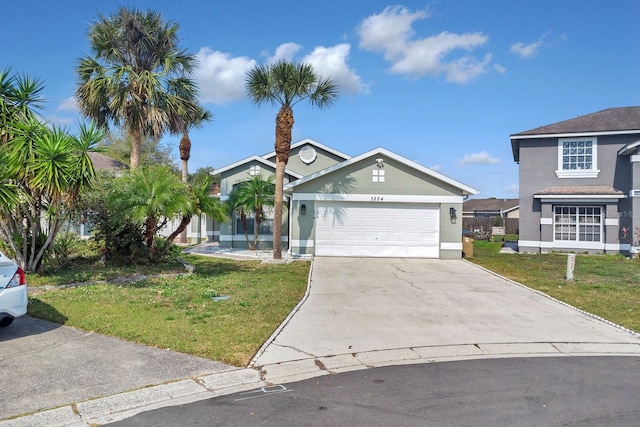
x=377 y=204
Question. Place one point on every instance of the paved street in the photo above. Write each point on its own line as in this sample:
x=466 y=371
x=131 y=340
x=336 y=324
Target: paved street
x=358 y=314
x=550 y=391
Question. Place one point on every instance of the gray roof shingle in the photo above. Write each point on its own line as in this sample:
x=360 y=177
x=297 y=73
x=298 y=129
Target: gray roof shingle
x=609 y=120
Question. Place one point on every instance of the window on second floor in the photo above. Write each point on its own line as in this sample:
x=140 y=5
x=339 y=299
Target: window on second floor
x=577 y=158
x=254 y=170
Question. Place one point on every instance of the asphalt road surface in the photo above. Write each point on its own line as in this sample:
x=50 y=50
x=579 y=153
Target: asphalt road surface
x=560 y=391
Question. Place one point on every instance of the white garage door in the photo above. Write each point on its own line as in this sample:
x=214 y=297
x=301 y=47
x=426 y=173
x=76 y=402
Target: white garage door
x=377 y=230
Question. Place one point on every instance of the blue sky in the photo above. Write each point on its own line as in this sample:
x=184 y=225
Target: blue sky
x=443 y=83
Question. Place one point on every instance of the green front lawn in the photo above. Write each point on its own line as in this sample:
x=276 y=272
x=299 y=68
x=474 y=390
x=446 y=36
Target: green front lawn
x=179 y=313
x=605 y=285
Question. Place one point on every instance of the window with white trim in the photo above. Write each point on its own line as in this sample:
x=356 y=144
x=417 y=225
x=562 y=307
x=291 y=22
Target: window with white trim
x=577 y=223
x=254 y=170
x=577 y=158
x=377 y=175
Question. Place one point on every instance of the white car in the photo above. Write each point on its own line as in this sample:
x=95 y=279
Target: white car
x=13 y=291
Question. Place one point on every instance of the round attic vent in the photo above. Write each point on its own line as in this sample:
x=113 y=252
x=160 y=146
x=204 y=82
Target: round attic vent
x=307 y=154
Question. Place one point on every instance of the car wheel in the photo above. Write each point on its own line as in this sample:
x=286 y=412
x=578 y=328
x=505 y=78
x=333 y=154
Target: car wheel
x=6 y=321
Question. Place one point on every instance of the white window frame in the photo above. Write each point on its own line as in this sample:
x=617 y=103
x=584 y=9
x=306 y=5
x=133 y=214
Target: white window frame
x=578 y=173
x=254 y=170
x=579 y=222
x=377 y=175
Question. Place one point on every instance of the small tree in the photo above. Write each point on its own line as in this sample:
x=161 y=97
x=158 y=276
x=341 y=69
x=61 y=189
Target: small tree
x=150 y=196
x=199 y=202
x=44 y=172
x=254 y=195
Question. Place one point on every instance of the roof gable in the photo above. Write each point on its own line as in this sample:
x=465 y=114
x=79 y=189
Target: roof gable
x=382 y=153
x=250 y=159
x=271 y=155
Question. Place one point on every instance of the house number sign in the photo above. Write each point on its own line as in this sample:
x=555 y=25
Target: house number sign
x=377 y=198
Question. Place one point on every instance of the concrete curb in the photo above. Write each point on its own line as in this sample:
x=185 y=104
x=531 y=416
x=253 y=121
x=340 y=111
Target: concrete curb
x=124 y=405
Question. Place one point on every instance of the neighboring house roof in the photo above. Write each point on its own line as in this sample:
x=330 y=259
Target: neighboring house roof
x=105 y=163
x=382 y=152
x=620 y=120
x=579 y=190
x=314 y=143
x=493 y=205
x=251 y=159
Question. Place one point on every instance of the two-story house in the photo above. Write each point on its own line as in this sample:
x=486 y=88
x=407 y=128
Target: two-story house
x=377 y=204
x=580 y=183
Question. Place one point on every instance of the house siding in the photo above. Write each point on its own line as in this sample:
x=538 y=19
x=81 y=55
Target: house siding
x=538 y=165
x=355 y=182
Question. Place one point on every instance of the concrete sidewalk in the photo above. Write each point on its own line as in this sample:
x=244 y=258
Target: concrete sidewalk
x=358 y=313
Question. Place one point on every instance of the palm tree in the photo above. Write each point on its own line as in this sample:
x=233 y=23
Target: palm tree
x=285 y=84
x=188 y=123
x=199 y=202
x=236 y=205
x=138 y=77
x=150 y=196
x=254 y=195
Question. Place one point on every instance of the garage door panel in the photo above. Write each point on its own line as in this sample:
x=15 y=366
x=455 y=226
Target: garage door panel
x=377 y=230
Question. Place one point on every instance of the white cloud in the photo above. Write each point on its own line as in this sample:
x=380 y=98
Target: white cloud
x=482 y=158
x=220 y=76
x=331 y=62
x=391 y=32
x=499 y=68
x=284 y=52
x=525 y=51
x=435 y=168
x=68 y=104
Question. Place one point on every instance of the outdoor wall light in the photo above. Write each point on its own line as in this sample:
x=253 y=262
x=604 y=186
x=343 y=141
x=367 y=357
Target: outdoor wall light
x=303 y=209
x=452 y=213
x=380 y=162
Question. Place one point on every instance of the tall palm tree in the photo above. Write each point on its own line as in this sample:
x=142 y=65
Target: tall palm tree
x=201 y=117
x=254 y=195
x=285 y=84
x=137 y=76
x=187 y=123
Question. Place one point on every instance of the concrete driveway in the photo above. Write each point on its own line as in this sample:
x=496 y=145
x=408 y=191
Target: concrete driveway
x=365 y=312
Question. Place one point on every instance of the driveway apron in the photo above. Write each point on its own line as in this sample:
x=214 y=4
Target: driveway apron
x=360 y=305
